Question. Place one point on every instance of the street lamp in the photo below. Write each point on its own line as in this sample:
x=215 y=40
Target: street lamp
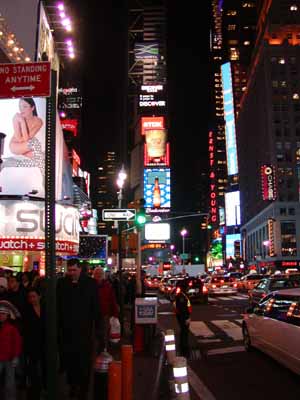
x=183 y=233
x=120 y=183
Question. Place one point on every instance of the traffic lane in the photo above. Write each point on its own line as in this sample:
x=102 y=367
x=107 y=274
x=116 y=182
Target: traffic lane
x=243 y=375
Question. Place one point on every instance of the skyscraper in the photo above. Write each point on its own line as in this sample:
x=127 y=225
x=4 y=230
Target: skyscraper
x=268 y=134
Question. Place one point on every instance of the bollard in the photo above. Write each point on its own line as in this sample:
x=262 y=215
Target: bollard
x=115 y=380
x=181 y=383
x=170 y=346
x=127 y=371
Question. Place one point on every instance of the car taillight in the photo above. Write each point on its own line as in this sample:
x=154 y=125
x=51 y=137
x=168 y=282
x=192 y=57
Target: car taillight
x=214 y=286
x=222 y=281
x=178 y=290
x=235 y=285
x=204 y=289
x=190 y=283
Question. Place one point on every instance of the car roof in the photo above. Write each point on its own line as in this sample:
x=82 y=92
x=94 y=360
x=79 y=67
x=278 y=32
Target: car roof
x=290 y=292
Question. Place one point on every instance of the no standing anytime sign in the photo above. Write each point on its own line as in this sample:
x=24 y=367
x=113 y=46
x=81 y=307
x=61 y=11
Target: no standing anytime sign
x=25 y=80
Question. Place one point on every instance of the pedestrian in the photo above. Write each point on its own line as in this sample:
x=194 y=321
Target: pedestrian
x=10 y=348
x=34 y=343
x=3 y=287
x=79 y=319
x=16 y=294
x=183 y=311
x=107 y=302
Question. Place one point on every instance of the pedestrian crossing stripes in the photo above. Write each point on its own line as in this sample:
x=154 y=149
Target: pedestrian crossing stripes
x=204 y=332
x=228 y=298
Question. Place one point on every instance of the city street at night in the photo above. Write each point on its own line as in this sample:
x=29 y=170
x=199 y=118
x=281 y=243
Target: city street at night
x=220 y=368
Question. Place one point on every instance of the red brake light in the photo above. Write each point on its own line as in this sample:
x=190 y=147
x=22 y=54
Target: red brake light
x=204 y=289
x=191 y=283
x=214 y=286
x=178 y=290
x=235 y=285
x=222 y=280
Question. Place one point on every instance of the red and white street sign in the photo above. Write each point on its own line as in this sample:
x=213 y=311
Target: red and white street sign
x=25 y=80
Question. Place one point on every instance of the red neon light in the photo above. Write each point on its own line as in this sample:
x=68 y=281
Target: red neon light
x=152 y=123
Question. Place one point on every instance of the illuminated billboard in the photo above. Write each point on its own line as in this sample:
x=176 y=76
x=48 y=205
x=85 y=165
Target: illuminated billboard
x=157 y=232
x=152 y=123
x=151 y=96
x=162 y=161
x=157 y=189
x=231 y=148
x=70 y=125
x=23 y=122
x=146 y=50
x=213 y=197
x=268 y=182
x=232 y=208
x=230 y=239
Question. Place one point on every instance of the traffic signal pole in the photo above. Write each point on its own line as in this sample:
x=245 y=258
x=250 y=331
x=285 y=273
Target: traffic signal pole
x=138 y=264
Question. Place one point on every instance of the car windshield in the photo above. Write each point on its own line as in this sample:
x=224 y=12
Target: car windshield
x=280 y=284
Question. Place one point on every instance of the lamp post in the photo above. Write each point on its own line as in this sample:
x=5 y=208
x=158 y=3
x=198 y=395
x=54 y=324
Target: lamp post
x=120 y=183
x=183 y=233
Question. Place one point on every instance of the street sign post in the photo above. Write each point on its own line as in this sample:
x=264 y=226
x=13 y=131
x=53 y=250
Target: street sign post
x=116 y=214
x=25 y=80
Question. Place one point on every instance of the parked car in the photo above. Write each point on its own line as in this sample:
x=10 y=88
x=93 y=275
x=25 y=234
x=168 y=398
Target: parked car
x=249 y=281
x=273 y=326
x=221 y=285
x=270 y=284
x=196 y=290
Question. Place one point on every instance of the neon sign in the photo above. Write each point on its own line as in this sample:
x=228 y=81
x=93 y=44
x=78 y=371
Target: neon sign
x=213 y=209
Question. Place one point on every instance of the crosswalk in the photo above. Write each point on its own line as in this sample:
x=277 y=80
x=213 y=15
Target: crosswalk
x=215 y=299
x=228 y=298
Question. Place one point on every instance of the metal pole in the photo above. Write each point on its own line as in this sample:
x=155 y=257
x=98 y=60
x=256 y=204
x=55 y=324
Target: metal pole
x=51 y=329
x=121 y=298
x=138 y=264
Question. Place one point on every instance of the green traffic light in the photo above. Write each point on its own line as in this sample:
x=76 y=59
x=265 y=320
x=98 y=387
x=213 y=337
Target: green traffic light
x=197 y=259
x=141 y=219
x=209 y=226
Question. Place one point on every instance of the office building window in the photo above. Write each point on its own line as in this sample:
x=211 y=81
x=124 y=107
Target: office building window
x=288 y=238
x=291 y=211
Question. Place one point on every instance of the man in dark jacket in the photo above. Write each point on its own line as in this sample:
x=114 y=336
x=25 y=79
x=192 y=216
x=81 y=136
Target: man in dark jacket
x=183 y=313
x=78 y=319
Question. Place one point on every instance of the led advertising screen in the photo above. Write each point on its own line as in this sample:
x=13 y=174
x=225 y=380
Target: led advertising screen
x=157 y=232
x=230 y=239
x=157 y=189
x=161 y=161
x=23 y=125
x=151 y=96
x=152 y=123
x=146 y=50
x=232 y=208
x=231 y=148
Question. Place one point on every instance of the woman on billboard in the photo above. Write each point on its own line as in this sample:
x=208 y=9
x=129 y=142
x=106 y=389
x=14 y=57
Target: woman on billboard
x=25 y=143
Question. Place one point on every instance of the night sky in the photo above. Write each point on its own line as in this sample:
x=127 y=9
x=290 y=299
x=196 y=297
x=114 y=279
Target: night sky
x=101 y=39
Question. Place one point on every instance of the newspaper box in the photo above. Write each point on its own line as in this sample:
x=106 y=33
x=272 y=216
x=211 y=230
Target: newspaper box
x=146 y=310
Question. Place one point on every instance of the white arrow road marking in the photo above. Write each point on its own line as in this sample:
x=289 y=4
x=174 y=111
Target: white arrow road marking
x=15 y=88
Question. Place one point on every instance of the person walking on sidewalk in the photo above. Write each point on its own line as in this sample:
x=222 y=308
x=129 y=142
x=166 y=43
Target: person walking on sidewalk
x=183 y=311
x=10 y=348
x=79 y=321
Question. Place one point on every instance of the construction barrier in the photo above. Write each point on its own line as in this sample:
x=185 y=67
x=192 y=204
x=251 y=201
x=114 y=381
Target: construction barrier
x=181 y=384
x=127 y=371
x=170 y=345
x=115 y=380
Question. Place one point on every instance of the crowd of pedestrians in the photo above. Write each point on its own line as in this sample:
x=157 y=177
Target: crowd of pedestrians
x=86 y=300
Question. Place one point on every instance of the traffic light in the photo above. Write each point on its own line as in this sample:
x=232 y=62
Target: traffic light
x=196 y=259
x=141 y=218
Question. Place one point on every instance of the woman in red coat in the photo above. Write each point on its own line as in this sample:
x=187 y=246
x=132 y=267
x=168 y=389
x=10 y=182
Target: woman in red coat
x=10 y=348
x=107 y=300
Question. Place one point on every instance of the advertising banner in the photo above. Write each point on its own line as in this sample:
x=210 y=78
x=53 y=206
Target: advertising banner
x=163 y=161
x=232 y=208
x=150 y=97
x=231 y=147
x=70 y=125
x=157 y=232
x=146 y=50
x=22 y=172
x=22 y=226
x=230 y=240
x=152 y=123
x=268 y=182
x=157 y=189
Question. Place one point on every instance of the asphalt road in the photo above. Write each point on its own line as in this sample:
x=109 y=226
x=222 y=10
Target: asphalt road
x=220 y=368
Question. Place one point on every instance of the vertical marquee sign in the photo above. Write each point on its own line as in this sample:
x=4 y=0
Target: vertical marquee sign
x=268 y=182
x=213 y=208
